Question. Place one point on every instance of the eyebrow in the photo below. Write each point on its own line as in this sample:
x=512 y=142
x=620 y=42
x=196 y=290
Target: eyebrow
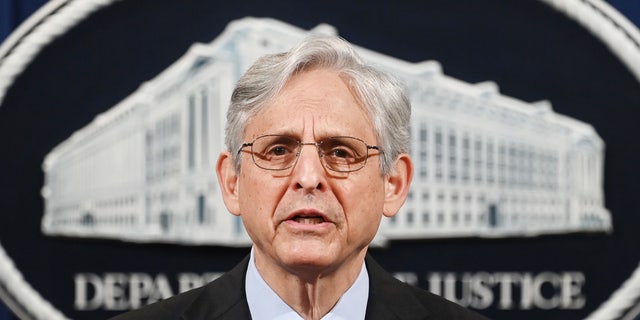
x=297 y=136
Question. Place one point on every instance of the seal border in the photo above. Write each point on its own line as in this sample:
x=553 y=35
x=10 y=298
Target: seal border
x=58 y=16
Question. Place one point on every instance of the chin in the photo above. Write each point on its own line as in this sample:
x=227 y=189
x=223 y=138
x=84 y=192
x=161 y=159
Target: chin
x=309 y=259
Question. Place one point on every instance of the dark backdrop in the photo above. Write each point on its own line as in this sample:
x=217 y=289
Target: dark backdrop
x=531 y=51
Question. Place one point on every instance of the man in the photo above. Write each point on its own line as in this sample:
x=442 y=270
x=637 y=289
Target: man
x=317 y=146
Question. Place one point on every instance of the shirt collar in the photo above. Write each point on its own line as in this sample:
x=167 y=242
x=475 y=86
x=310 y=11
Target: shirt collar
x=264 y=303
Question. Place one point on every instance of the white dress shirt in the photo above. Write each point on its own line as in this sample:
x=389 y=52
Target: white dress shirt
x=265 y=304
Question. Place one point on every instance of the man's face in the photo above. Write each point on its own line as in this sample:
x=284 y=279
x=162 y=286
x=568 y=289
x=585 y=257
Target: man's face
x=309 y=216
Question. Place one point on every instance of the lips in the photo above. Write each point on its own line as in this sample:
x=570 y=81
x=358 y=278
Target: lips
x=308 y=217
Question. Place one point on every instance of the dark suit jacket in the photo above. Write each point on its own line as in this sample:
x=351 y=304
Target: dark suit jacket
x=225 y=298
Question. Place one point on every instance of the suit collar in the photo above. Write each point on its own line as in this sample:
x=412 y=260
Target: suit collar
x=223 y=298
x=390 y=299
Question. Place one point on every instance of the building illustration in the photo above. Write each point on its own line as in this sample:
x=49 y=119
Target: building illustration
x=486 y=165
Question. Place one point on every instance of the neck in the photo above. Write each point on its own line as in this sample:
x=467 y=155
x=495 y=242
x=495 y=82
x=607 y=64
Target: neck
x=310 y=291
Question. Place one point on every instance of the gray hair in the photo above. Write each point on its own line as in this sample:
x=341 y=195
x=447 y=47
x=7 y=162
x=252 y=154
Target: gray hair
x=383 y=96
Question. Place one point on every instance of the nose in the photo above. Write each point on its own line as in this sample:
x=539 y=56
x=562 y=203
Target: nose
x=309 y=173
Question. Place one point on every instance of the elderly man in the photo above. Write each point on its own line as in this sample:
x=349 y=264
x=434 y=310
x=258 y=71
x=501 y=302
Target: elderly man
x=316 y=154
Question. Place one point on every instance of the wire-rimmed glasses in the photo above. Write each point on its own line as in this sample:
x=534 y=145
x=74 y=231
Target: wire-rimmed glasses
x=281 y=152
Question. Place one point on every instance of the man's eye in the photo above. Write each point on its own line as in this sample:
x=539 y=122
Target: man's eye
x=279 y=150
x=343 y=153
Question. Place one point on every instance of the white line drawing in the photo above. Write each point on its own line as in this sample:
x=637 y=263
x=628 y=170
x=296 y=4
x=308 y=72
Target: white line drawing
x=487 y=165
x=18 y=51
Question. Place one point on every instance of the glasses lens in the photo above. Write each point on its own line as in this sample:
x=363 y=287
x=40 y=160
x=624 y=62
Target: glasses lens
x=274 y=152
x=343 y=154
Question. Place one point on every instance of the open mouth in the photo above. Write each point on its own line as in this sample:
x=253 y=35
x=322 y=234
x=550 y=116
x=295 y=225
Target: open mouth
x=308 y=219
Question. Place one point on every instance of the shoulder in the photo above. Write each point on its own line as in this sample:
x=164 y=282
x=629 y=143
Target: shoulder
x=402 y=301
x=223 y=298
x=171 y=308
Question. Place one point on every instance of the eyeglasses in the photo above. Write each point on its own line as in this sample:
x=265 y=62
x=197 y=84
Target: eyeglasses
x=280 y=152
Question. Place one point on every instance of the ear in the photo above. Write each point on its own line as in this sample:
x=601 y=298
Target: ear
x=228 y=181
x=397 y=185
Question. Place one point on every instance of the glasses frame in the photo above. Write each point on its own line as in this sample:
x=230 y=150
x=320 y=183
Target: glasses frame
x=299 y=151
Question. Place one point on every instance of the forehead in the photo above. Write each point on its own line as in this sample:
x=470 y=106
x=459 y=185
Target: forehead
x=317 y=101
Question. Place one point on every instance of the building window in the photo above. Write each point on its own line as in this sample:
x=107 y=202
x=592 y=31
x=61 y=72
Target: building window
x=423 y=149
x=490 y=163
x=410 y=217
x=466 y=157
x=512 y=167
x=438 y=153
x=502 y=164
x=202 y=209
x=453 y=160
x=425 y=217
x=467 y=218
x=204 y=128
x=191 y=135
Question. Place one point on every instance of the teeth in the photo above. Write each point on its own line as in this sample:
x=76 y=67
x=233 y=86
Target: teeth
x=309 y=220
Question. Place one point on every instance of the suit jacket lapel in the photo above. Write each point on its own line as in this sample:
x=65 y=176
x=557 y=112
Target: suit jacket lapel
x=389 y=299
x=224 y=300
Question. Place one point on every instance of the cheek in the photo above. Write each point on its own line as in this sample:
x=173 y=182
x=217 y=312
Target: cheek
x=259 y=196
x=363 y=211
x=363 y=199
